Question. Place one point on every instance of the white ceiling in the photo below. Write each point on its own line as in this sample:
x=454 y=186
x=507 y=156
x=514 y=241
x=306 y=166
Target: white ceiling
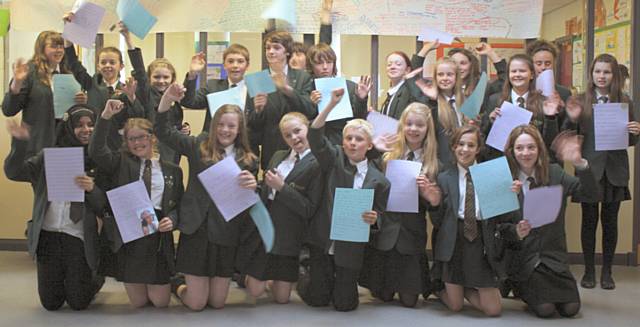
x=551 y=5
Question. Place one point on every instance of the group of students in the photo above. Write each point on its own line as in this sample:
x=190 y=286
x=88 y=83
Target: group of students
x=135 y=131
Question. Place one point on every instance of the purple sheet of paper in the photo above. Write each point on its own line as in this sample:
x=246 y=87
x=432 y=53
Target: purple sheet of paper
x=431 y=34
x=610 y=126
x=221 y=182
x=382 y=124
x=511 y=117
x=542 y=205
x=403 y=196
x=84 y=27
x=128 y=202
x=61 y=167
x=545 y=83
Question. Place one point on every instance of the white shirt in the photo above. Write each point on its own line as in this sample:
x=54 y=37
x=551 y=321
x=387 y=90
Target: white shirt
x=157 y=182
x=242 y=87
x=598 y=96
x=230 y=150
x=462 y=187
x=515 y=96
x=417 y=155
x=526 y=185
x=285 y=70
x=392 y=94
x=286 y=166
x=57 y=219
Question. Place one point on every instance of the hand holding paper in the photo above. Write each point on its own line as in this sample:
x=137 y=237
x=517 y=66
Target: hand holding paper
x=492 y=183
x=542 y=205
x=545 y=83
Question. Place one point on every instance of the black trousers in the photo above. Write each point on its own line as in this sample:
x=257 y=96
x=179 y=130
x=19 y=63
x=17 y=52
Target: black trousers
x=326 y=283
x=63 y=272
x=609 y=220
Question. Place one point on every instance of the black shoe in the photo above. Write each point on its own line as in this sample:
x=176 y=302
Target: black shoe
x=176 y=281
x=606 y=281
x=588 y=280
x=98 y=282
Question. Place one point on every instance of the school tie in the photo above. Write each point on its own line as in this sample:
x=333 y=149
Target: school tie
x=532 y=183
x=76 y=211
x=297 y=159
x=452 y=103
x=110 y=90
x=146 y=176
x=520 y=102
x=233 y=85
x=385 y=105
x=603 y=99
x=470 y=226
x=411 y=156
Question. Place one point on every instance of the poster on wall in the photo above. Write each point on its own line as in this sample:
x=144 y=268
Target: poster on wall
x=578 y=63
x=615 y=41
x=215 y=61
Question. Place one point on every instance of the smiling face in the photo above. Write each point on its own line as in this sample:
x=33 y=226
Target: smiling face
x=161 y=78
x=520 y=75
x=236 y=65
x=355 y=143
x=542 y=60
x=467 y=149
x=525 y=150
x=83 y=130
x=397 y=67
x=54 y=53
x=294 y=133
x=276 y=53
x=463 y=63
x=298 y=60
x=602 y=76
x=109 y=65
x=415 y=130
x=227 y=129
x=446 y=78
x=140 y=142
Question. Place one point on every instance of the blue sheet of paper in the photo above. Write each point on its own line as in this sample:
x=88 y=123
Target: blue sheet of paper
x=84 y=27
x=542 y=205
x=230 y=96
x=403 y=196
x=262 y=220
x=259 y=82
x=325 y=86
x=137 y=19
x=282 y=9
x=492 y=183
x=346 y=219
x=610 y=126
x=472 y=104
x=65 y=88
x=511 y=117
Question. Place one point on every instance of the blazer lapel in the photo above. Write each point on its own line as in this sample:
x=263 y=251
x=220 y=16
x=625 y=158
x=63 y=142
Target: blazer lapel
x=299 y=168
x=453 y=185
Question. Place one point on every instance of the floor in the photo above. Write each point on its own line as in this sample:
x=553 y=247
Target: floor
x=19 y=306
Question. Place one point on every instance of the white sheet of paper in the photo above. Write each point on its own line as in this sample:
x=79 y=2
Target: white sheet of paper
x=511 y=117
x=382 y=124
x=282 y=9
x=403 y=196
x=610 y=126
x=230 y=96
x=546 y=83
x=127 y=202
x=325 y=86
x=221 y=182
x=62 y=166
x=84 y=27
x=430 y=35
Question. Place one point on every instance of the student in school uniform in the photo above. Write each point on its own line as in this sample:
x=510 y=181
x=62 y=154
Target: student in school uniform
x=321 y=60
x=399 y=95
x=468 y=251
x=396 y=261
x=208 y=244
x=146 y=264
x=299 y=59
x=521 y=91
x=30 y=90
x=152 y=82
x=235 y=61
x=543 y=54
x=62 y=235
x=292 y=94
x=334 y=266
x=104 y=84
x=540 y=266
x=611 y=168
x=291 y=190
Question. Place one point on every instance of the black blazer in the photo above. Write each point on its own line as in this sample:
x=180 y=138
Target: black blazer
x=333 y=129
x=196 y=206
x=497 y=233
x=404 y=231
x=338 y=172
x=403 y=97
x=613 y=164
x=548 y=244
x=264 y=125
x=124 y=168
x=35 y=100
x=18 y=167
x=293 y=206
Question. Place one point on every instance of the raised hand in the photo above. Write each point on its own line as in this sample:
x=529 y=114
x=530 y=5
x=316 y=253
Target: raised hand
x=552 y=104
x=122 y=28
x=68 y=17
x=429 y=190
x=175 y=92
x=129 y=88
x=336 y=96
x=428 y=88
x=198 y=62
x=568 y=147
x=413 y=73
x=384 y=143
x=111 y=108
x=20 y=71
x=364 y=86
x=18 y=131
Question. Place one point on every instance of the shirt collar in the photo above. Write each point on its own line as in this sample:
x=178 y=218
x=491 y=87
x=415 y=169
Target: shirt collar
x=598 y=95
x=302 y=155
x=286 y=70
x=417 y=153
x=229 y=150
x=515 y=96
x=523 y=177
x=239 y=84
x=361 y=166
x=462 y=171
x=395 y=89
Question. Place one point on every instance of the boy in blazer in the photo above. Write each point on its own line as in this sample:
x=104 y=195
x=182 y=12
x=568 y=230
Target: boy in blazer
x=335 y=265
